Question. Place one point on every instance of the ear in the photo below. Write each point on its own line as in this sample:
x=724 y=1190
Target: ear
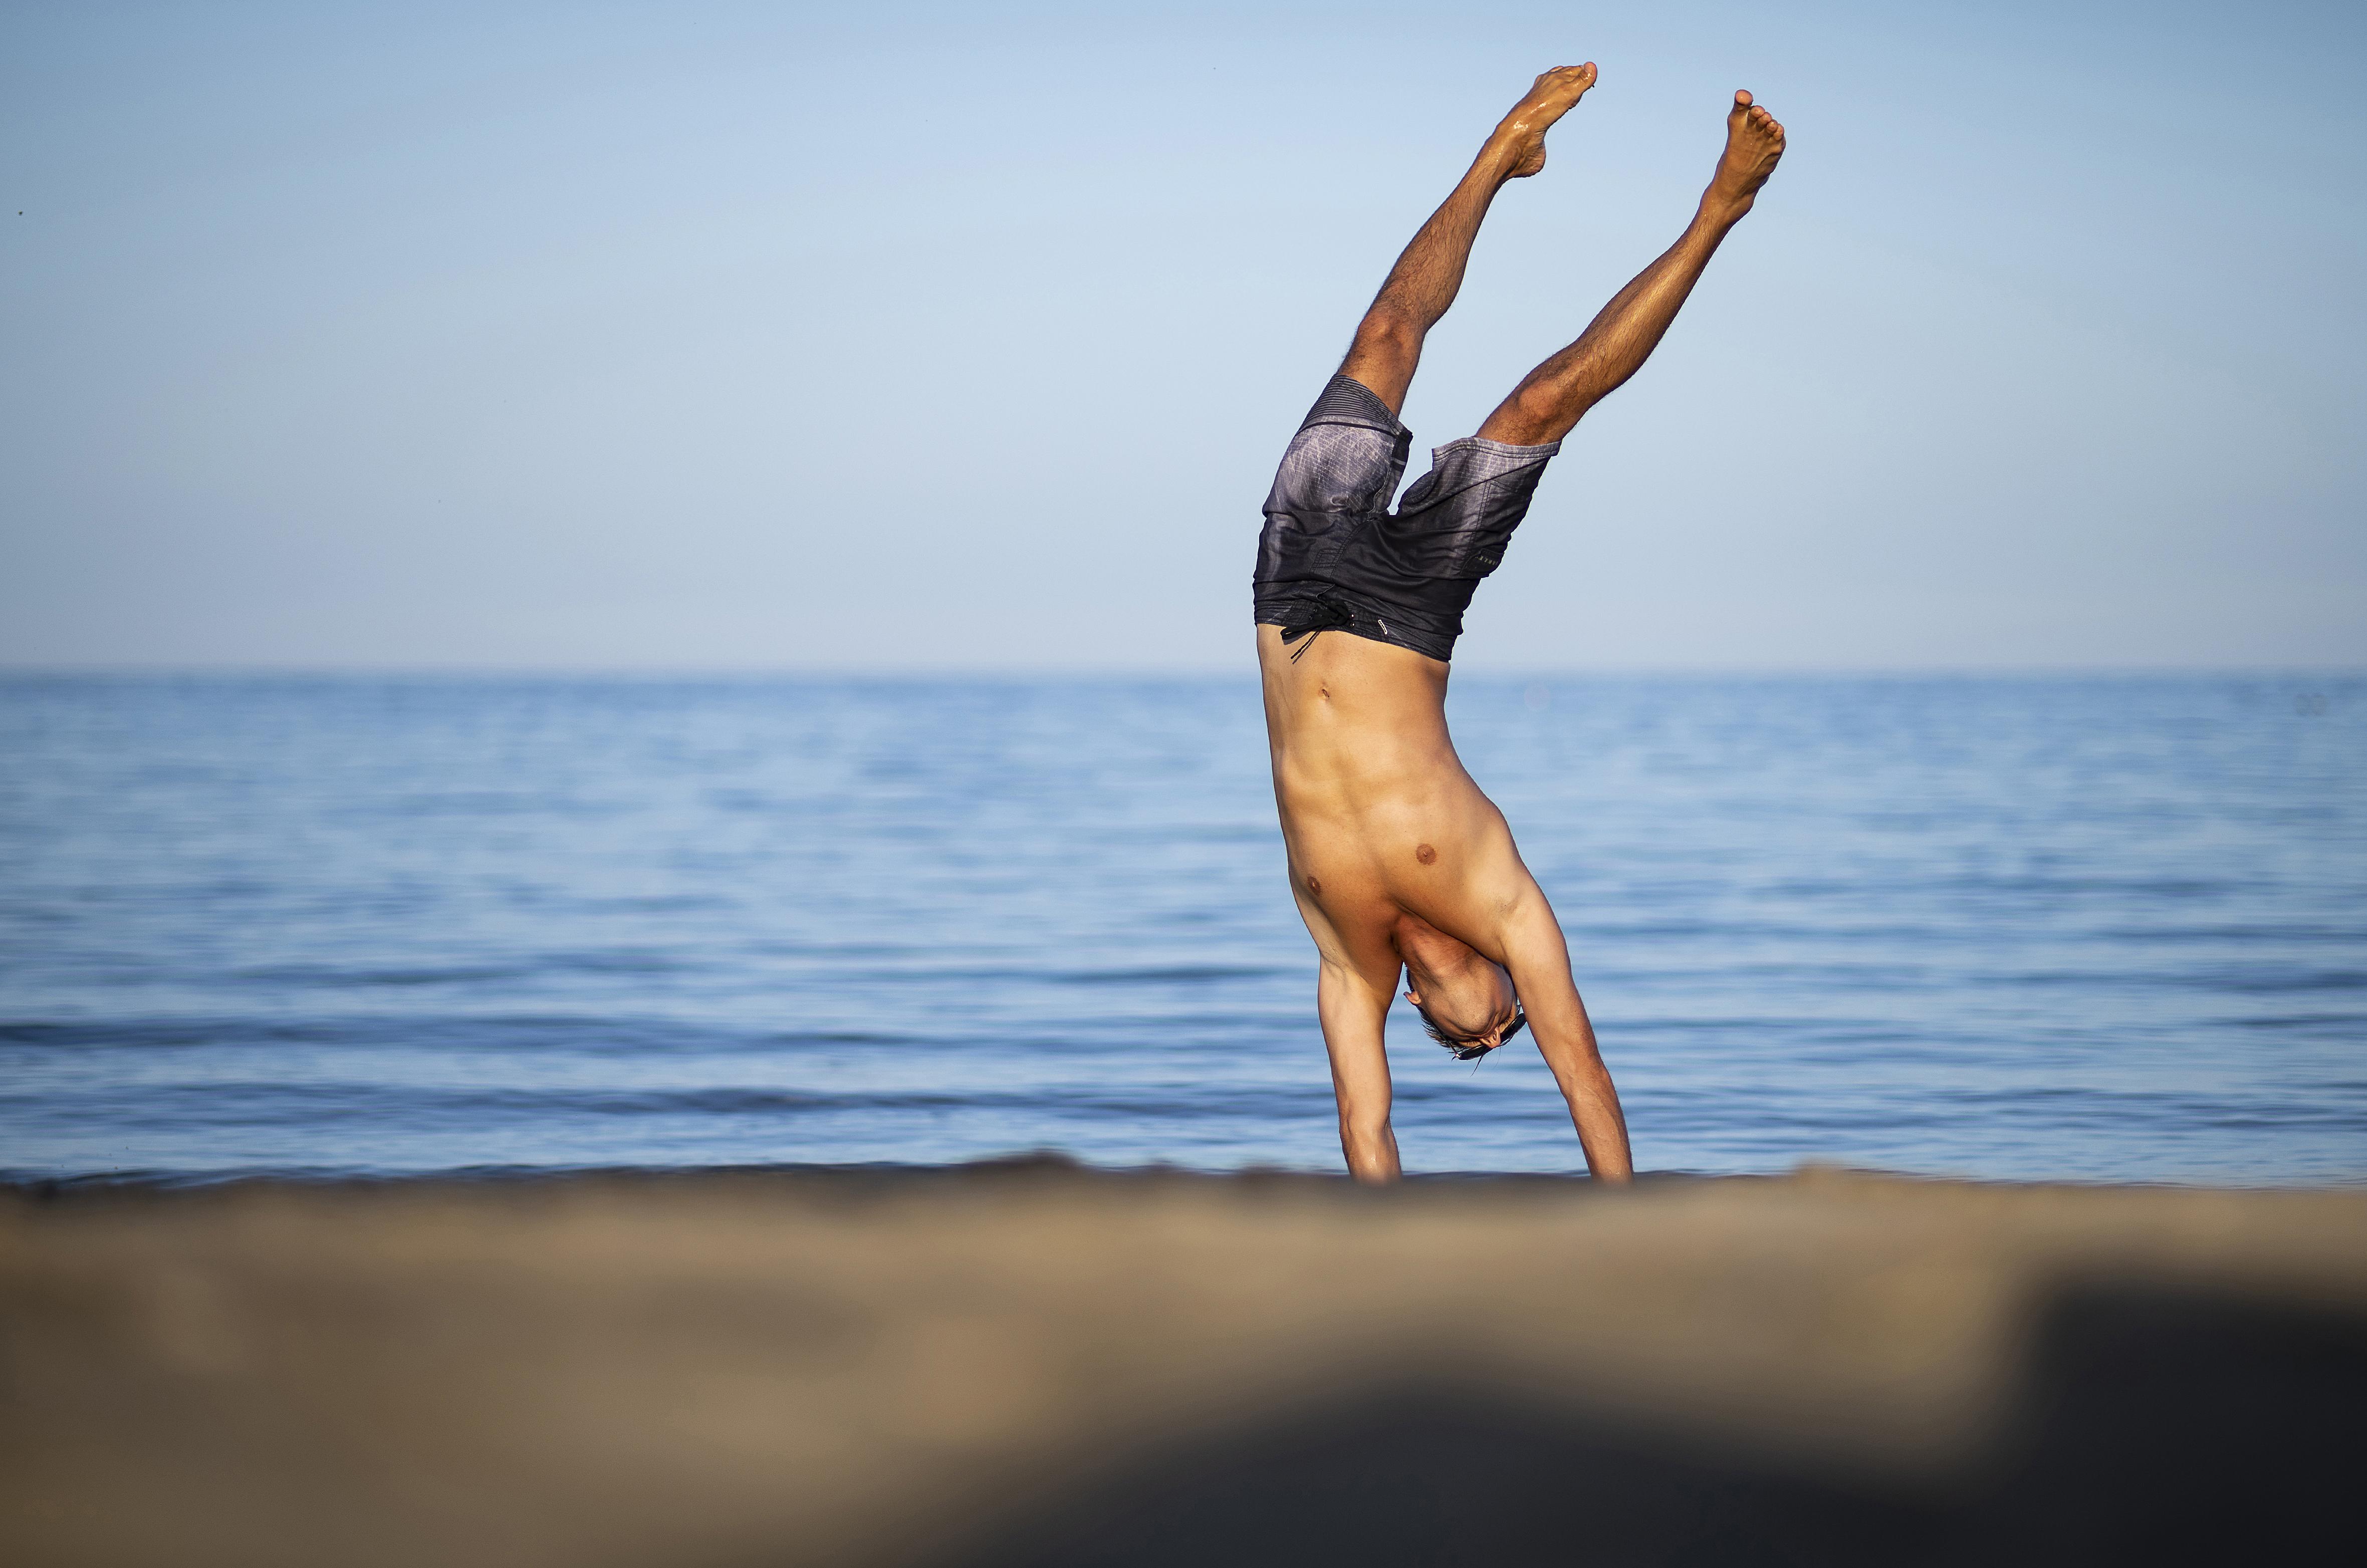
x=1413 y=997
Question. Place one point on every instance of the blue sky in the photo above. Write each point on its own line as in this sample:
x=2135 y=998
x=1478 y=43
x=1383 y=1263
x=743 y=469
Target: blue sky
x=895 y=337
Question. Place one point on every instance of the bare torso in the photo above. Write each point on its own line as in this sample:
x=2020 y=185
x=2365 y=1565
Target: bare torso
x=1398 y=862
x=1380 y=817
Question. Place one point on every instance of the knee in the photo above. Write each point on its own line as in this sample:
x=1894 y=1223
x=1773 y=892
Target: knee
x=1388 y=347
x=1385 y=326
x=1530 y=418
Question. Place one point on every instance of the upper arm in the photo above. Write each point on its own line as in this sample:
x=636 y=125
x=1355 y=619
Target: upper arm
x=1355 y=1004
x=1537 y=955
x=1353 y=1008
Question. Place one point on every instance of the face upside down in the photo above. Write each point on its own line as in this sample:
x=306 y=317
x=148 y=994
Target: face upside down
x=1467 y=1003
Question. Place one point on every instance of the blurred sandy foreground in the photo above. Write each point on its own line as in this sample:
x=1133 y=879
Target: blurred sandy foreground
x=1032 y=1364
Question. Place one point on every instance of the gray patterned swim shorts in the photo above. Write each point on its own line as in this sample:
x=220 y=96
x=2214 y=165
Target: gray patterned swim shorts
x=1335 y=558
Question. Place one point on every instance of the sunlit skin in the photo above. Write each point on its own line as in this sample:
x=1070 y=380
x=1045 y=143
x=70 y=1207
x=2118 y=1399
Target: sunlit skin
x=1398 y=862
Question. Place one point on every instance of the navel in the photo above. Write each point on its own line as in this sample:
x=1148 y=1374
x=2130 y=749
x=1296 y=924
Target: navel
x=1425 y=854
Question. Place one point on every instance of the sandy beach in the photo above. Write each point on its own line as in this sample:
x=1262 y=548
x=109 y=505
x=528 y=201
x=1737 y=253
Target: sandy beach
x=1030 y=1363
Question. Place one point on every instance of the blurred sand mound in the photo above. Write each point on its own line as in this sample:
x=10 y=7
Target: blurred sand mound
x=1034 y=1365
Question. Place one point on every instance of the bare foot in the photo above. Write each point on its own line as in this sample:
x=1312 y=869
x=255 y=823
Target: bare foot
x=1522 y=135
x=1754 y=142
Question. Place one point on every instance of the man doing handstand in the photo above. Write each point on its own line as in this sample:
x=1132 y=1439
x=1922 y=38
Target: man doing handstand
x=1397 y=859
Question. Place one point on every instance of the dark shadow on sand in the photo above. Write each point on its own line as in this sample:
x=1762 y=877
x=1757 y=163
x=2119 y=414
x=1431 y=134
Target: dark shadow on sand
x=2154 y=1426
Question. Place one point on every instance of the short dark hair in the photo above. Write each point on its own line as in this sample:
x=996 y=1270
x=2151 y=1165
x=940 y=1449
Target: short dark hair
x=1463 y=1046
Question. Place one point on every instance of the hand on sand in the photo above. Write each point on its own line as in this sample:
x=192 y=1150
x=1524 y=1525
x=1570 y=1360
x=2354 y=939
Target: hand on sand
x=1522 y=132
x=1754 y=142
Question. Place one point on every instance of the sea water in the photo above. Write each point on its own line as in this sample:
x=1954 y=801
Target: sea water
x=2027 y=928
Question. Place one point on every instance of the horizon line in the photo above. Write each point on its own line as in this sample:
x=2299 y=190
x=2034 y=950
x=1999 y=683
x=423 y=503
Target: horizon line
x=760 y=673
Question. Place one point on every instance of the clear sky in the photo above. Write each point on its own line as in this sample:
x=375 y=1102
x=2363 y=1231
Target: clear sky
x=890 y=336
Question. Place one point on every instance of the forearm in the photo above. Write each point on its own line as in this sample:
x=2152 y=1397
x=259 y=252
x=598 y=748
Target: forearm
x=1538 y=960
x=1594 y=1109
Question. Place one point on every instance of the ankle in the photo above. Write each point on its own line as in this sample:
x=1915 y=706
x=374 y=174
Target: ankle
x=1720 y=211
x=1499 y=156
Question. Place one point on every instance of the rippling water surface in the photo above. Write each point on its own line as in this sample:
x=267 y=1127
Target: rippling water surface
x=2028 y=928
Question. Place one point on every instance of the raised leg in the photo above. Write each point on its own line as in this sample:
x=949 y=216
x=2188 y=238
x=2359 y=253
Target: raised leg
x=1557 y=393
x=1430 y=273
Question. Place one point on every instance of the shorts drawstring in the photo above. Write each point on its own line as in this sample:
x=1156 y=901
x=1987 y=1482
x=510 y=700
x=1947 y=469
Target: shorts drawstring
x=1313 y=619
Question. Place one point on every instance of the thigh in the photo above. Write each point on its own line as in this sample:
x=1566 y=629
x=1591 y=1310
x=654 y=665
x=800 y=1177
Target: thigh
x=1346 y=458
x=1456 y=520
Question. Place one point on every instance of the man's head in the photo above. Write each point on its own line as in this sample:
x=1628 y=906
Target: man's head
x=1466 y=1001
